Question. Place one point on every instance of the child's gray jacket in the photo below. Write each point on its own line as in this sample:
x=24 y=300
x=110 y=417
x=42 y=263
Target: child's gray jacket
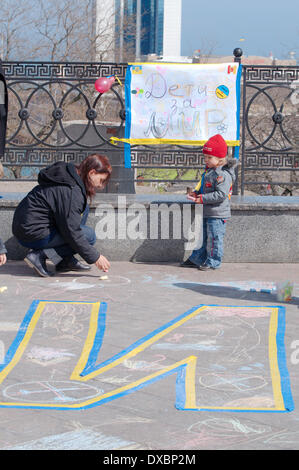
x=216 y=189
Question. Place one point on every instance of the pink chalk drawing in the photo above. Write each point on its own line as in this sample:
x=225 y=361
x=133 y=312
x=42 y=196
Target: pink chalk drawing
x=240 y=311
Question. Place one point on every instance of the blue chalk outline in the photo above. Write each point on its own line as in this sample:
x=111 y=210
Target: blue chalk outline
x=91 y=367
x=20 y=335
x=282 y=363
x=98 y=340
x=285 y=383
x=180 y=370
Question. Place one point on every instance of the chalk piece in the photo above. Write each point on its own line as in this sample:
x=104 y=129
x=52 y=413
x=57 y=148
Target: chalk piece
x=3 y=289
x=103 y=278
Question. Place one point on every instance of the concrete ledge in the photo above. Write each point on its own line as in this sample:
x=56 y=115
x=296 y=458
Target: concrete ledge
x=262 y=229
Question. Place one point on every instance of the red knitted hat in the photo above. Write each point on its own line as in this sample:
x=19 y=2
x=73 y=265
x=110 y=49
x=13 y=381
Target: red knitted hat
x=215 y=146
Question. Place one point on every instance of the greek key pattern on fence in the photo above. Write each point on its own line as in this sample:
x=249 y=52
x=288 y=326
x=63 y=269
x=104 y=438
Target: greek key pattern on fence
x=271 y=74
x=42 y=157
x=167 y=158
x=140 y=158
x=263 y=161
x=70 y=71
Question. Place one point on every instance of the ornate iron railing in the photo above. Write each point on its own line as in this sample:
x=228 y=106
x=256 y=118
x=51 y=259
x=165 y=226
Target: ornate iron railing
x=270 y=128
x=43 y=98
x=55 y=114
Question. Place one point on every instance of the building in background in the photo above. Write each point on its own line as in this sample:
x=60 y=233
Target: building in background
x=103 y=12
x=135 y=29
x=172 y=28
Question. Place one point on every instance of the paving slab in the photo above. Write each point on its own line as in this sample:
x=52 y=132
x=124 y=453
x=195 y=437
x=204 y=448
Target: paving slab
x=156 y=357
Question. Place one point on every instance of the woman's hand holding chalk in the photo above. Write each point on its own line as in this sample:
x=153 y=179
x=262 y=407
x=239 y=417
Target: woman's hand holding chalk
x=102 y=263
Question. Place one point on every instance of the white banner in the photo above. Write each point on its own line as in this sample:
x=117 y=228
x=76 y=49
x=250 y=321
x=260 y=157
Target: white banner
x=182 y=103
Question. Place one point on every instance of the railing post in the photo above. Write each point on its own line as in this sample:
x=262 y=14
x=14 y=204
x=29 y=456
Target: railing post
x=237 y=58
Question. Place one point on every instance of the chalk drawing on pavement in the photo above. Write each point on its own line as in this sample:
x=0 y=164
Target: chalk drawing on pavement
x=214 y=377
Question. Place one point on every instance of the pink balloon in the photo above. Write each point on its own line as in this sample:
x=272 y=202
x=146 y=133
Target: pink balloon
x=104 y=84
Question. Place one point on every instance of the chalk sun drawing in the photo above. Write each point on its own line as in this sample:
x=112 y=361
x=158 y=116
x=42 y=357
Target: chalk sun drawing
x=56 y=392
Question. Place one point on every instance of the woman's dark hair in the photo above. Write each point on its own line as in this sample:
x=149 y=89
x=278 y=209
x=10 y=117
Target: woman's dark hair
x=100 y=164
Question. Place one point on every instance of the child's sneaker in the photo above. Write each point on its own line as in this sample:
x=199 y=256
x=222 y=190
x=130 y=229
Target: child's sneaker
x=188 y=264
x=205 y=267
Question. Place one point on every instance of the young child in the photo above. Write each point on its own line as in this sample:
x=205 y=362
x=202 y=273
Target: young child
x=214 y=192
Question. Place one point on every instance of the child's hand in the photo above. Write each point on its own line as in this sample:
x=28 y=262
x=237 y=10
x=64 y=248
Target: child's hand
x=2 y=259
x=194 y=198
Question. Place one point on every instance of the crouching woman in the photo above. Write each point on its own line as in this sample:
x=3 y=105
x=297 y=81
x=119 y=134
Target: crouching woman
x=51 y=219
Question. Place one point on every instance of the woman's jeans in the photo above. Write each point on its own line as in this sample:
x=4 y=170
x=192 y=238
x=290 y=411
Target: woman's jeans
x=211 y=251
x=54 y=245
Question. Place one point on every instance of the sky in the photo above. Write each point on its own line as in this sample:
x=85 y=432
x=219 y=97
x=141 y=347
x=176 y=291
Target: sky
x=216 y=27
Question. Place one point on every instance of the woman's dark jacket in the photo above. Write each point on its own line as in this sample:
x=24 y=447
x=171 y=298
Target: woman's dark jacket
x=57 y=203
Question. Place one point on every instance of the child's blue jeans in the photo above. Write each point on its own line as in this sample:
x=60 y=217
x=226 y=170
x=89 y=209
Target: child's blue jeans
x=211 y=251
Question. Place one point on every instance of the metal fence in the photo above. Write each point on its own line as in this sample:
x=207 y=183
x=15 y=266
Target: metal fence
x=270 y=127
x=55 y=114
